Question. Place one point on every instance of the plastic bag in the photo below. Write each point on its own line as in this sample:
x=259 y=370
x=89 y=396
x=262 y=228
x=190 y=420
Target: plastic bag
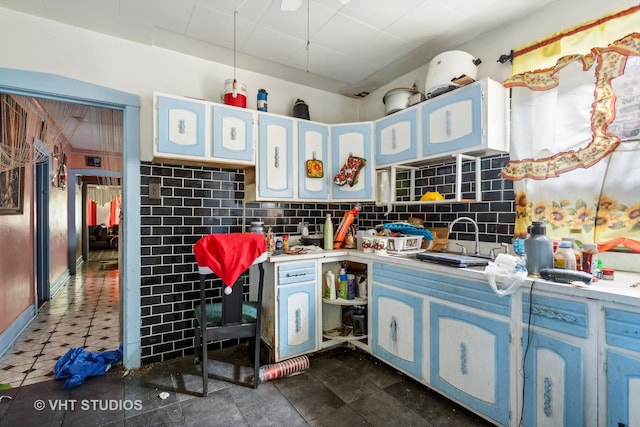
x=79 y=363
x=507 y=270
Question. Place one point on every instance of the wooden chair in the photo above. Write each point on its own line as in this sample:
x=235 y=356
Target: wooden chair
x=232 y=318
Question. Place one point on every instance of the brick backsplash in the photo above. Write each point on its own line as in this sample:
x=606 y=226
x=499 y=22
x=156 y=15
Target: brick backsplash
x=196 y=201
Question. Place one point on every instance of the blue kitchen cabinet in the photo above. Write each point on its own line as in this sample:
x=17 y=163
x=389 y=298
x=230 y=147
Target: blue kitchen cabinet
x=472 y=119
x=623 y=367
x=396 y=321
x=275 y=158
x=470 y=359
x=297 y=291
x=397 y=138
x=180 y=127
x=555 y=344
x=232 y=134
x=313 y=144
x=354 y=140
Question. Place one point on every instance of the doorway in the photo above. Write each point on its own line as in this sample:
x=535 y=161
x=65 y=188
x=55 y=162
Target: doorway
x=42 y=253
x=43 y=85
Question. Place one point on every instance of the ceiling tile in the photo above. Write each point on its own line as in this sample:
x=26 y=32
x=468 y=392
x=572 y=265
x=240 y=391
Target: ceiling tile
x=343 y=34
x=332 y=64
x=272 y=45
x=166 y=14
x=378 y=17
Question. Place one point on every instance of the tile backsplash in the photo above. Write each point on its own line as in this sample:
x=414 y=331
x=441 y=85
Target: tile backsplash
x=195 y=201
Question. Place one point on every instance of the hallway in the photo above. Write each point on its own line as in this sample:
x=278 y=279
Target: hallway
x=83 y=313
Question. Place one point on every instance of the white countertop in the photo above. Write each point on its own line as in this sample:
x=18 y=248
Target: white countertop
x=619 y=290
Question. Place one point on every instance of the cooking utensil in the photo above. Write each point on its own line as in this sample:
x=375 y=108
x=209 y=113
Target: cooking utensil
x=397 y=99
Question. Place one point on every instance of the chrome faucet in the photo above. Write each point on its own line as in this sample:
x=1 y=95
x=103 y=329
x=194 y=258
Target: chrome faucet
x=475 y=225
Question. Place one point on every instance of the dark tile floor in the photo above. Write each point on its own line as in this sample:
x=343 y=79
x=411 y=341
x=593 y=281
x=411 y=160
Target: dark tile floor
x=341 y=387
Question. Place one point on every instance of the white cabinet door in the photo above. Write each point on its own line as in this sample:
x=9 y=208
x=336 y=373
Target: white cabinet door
x=180 y=128
x=623 y=367
x=470 y=359
x=313 y=145
x=276 y=168
x=397 y=328
x=297 y=334
x=397 y=138
x=352 y=140
x=472 y=119
x=232 y=134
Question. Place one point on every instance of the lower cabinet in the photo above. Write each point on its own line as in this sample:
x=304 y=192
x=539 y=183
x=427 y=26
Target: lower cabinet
x=623 y=367
x=397 y=328
x=470 y=359
x=297 y=330
x=559 y=362
x=289 y=308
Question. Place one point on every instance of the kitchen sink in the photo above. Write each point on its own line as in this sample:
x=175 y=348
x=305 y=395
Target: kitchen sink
x=453 y=259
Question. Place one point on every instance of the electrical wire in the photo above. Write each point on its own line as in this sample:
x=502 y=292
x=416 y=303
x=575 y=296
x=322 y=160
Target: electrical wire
x=526 y=350
x=308 y=41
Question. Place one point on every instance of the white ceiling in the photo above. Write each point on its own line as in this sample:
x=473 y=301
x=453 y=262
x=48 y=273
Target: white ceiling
x=353 y=48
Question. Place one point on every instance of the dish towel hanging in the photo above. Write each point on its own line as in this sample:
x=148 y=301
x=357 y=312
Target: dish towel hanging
x=229 y=255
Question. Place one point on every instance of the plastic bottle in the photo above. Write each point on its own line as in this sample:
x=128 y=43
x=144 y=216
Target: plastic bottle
x=564 y=256
x=328 y=233
x=575 y=237
x=538 y=249
x=285 y=243
x=330 y=285
x=590 y=259
x=262 y=100
x=342 y=284
x=343 y=228
x=351 y=286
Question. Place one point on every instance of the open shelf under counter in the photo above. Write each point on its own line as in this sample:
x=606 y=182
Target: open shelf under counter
x=342 y=334
x=342 y=301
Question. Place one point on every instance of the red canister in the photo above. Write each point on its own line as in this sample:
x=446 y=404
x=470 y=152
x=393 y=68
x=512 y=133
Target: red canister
x=234 y=93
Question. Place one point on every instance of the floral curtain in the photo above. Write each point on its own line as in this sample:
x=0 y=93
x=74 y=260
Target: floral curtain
x=575 y=145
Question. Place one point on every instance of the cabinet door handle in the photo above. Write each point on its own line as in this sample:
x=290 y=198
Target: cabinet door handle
x=463 y=358
x=393 y=139
x=394 y=326
x=182 y=126
x=298 y=320
x=447 y=122
x=296 y=274
x=234 y=134
x=276 y=157
x=547 y=396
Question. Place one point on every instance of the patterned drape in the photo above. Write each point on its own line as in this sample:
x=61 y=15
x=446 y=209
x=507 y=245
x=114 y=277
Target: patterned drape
x=575 y=145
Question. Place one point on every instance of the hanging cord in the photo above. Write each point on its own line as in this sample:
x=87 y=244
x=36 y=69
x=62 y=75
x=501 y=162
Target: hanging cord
x=526 y=350
x=308 y=42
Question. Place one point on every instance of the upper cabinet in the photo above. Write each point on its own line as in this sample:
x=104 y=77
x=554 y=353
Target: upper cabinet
x=232 y=133
x=275 y=167
x=397 y=138
x=352 y=161
x=313 y=159
x=193 y=131
x=471 y=120
x=180 y=127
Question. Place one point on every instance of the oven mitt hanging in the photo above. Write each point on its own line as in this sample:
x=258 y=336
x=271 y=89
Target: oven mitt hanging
x=350 y=171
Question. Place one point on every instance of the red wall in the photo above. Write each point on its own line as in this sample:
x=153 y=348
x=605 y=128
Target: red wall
x=17 y=279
